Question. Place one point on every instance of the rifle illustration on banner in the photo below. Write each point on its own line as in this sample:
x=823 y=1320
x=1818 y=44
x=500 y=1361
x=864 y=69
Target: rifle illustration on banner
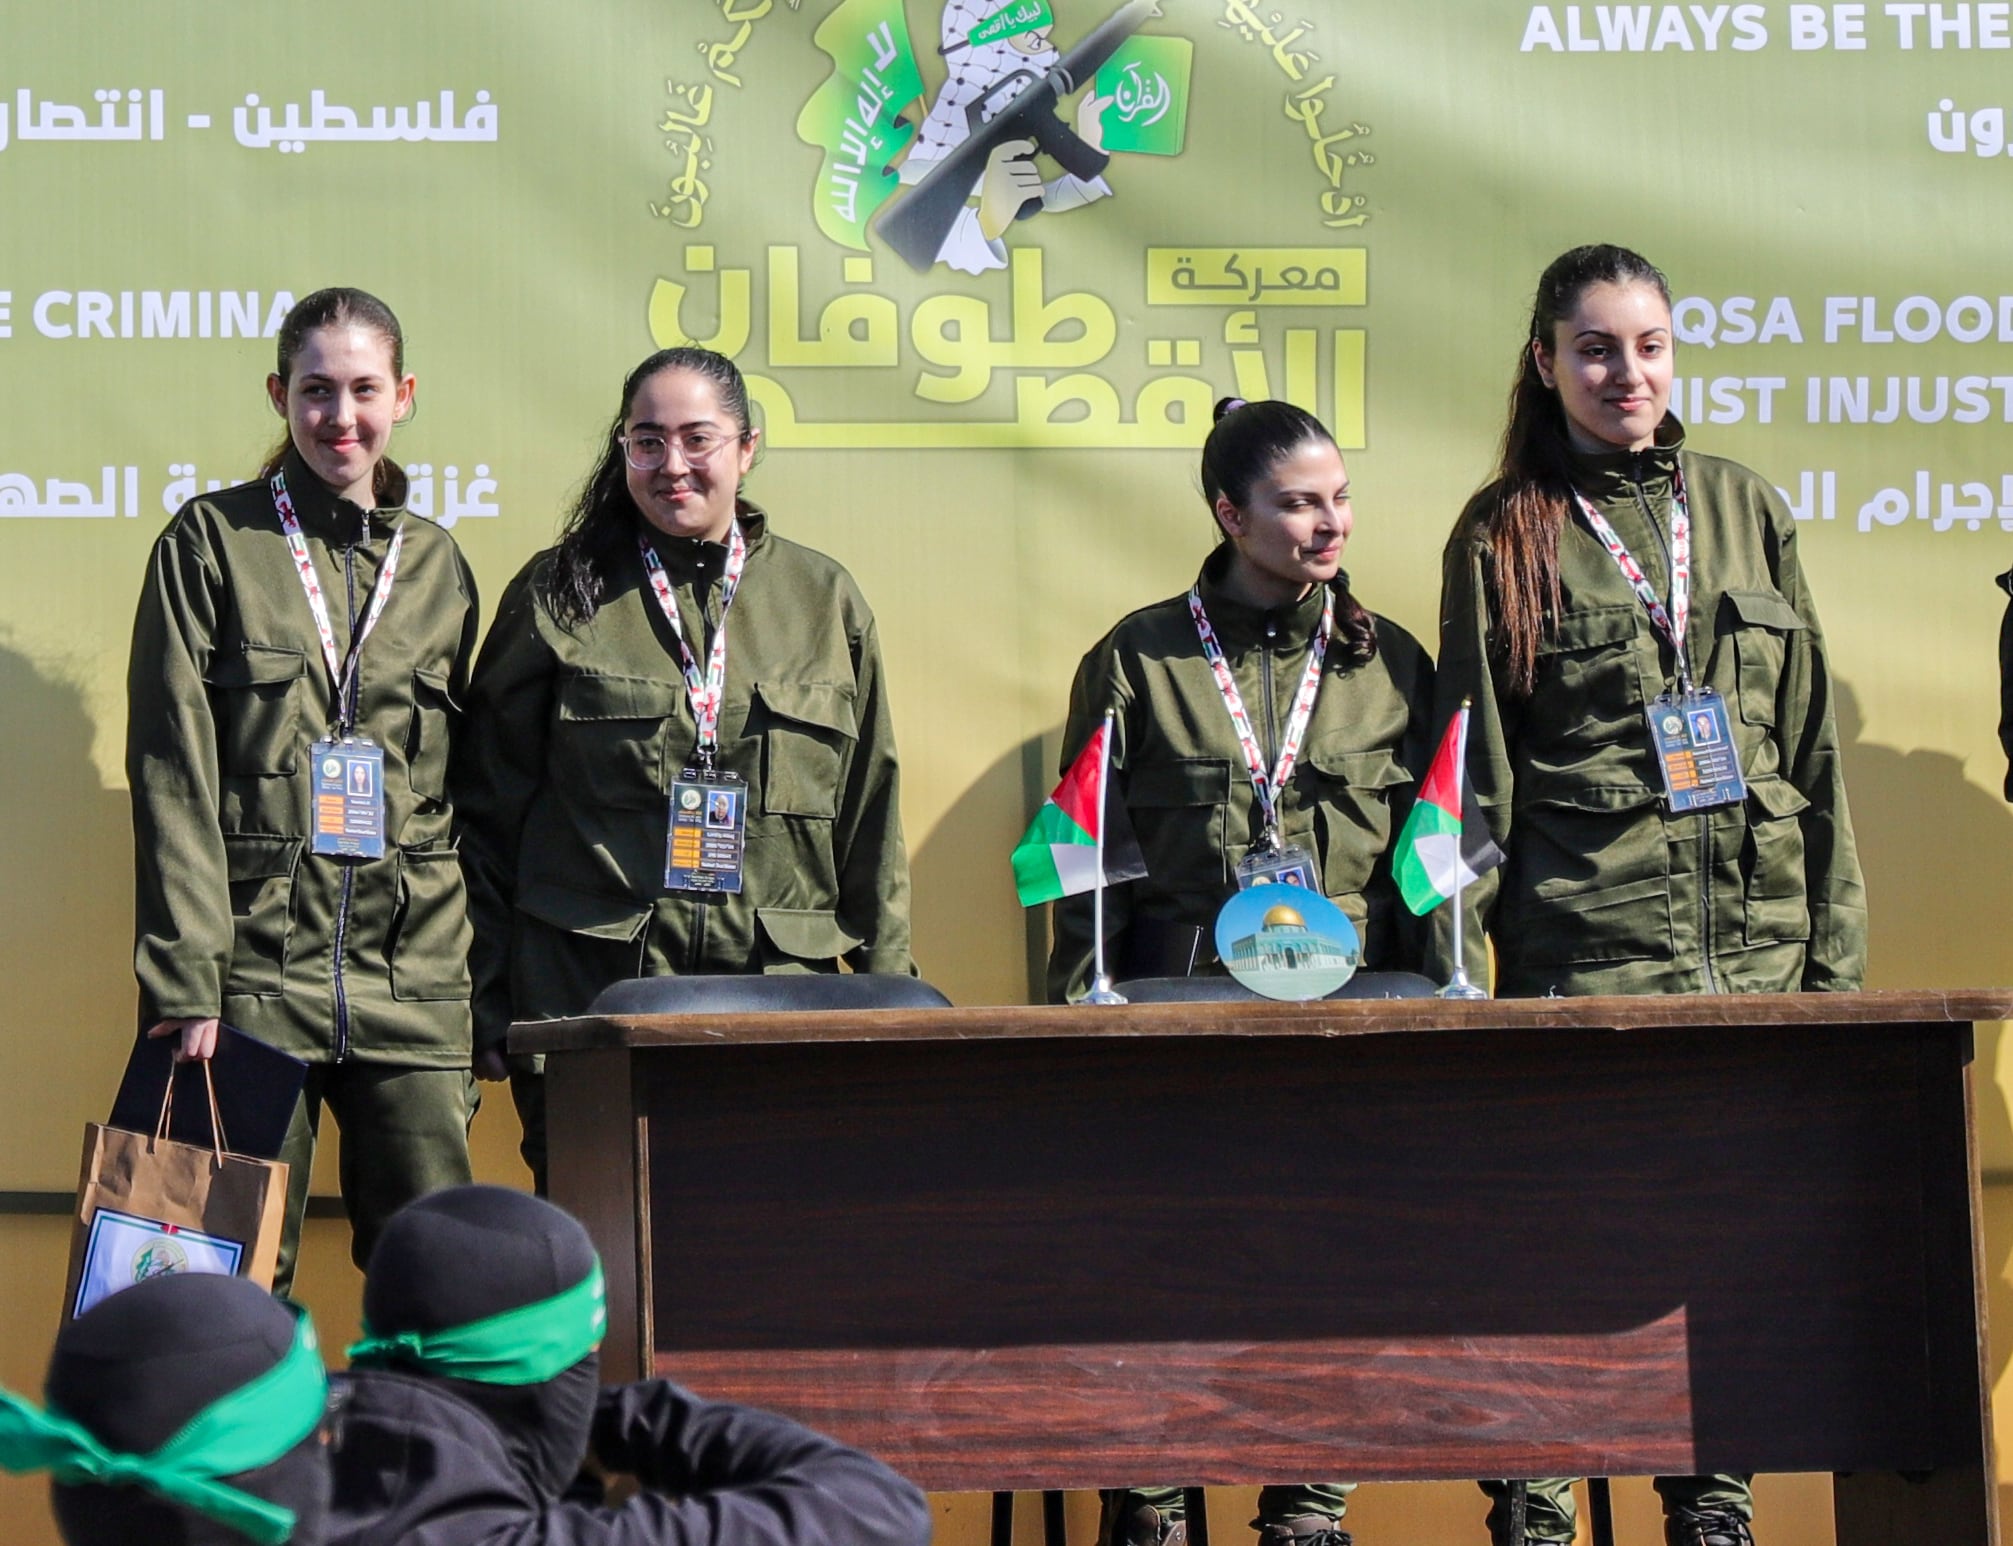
x=1081 y=840
x=1020 y=106
x=1446 y=845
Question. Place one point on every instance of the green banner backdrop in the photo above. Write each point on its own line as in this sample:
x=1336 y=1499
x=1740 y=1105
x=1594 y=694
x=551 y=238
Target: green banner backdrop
x=987 y=264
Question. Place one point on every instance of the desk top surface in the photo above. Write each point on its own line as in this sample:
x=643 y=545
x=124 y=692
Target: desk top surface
x=1323 y=1018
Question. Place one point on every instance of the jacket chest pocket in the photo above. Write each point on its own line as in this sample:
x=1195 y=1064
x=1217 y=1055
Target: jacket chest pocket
x=1350 y=791
x=1760 y=622
x=1590 y=673
x=609 y=740
x=807 y=730
x=433 y=707
x=1177 y=809
x=255 y=698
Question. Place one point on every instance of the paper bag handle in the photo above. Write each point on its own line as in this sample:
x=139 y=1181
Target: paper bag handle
x=217 y=1140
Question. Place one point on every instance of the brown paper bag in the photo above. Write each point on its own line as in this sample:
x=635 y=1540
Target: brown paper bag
x=147 y=1205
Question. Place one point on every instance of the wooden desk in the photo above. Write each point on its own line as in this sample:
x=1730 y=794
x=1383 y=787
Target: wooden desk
x=1224 y=1243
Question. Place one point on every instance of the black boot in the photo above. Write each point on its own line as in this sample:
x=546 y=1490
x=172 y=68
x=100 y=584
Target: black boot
x=1705 y=1527
x=1302 y=1530
x=1129 y=1522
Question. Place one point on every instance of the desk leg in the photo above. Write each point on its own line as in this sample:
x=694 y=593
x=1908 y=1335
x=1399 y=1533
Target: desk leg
x=1601 y=1510
x=1952 y=1507
x=599 y=1172
x=1195 y=1501
x=1053 y=1530
x=1002 y=1519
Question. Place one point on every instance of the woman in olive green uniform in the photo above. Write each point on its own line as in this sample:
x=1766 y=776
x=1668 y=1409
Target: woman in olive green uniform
x=671 y=631
x=1338 y=778
x=1617 y=605
x=301 y=622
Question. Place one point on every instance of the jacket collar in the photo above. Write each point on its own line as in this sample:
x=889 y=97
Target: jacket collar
x=1608 y=476
x=694 y=558
x=1240 y=625
x=325 y=514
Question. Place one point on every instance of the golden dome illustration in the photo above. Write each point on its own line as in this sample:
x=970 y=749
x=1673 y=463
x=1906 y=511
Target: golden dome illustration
x=1283 y=917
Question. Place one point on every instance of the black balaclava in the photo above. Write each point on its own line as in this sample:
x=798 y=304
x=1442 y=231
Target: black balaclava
x=468 y=1253
x=137 y=1366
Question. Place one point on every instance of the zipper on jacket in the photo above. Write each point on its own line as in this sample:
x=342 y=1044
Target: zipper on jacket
x=346 y=713
x=1643 y=504
x=1704 y=821
x=695 y=956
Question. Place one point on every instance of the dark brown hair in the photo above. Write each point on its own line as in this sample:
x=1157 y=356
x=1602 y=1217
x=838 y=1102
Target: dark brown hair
x=1246 y=443
x=1531 y=492
x=600 y=527
x=340 y=306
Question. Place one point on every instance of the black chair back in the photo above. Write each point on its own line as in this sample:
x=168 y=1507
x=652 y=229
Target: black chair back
x=758 y=994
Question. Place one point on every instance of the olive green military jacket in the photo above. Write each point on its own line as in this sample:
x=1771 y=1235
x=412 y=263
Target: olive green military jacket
x=325 y=958
x=1176 y=763
x=1604 y=890
x=575 y=737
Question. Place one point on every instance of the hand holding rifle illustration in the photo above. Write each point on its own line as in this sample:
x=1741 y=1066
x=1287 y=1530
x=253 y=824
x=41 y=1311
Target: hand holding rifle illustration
x=994 y=113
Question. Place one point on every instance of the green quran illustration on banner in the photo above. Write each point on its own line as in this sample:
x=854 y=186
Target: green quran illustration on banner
x=966 y=262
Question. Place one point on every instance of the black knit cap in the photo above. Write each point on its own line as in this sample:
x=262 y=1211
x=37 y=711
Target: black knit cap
x=137 y=1366
x=471 y=1252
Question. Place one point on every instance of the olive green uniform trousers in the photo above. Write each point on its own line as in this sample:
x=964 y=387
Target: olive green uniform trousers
x=405 y=1133
x=1275 y=1504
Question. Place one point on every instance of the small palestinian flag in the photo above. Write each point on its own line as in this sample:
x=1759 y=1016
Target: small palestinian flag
x=1442 y=848
x=1058 y=857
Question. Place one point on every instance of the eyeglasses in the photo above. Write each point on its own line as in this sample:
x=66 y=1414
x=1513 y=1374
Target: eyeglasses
x=647 y=452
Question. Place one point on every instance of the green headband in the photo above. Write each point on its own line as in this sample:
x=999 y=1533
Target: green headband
x=240 y=1431
x=525 y=1346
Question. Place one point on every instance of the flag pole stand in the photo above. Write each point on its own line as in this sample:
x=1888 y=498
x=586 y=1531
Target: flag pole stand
x=1459 y=986
x=1101 y=990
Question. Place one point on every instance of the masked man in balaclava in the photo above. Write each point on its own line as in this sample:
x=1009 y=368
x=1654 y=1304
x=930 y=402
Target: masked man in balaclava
x=474 y=1398
x=184 y=1411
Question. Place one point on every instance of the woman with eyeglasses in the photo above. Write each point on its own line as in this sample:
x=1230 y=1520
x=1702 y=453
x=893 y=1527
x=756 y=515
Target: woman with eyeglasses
x=678 y=755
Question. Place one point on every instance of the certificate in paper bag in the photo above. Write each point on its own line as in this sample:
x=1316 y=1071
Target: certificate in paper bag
x=148 y=1206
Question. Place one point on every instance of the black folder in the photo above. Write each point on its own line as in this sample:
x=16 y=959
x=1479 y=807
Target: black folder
x=257 y=1087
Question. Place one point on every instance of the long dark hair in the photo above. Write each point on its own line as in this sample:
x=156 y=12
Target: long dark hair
x=1532 y=486
x=1247 y=441
x=600 y=528
x=340 y=306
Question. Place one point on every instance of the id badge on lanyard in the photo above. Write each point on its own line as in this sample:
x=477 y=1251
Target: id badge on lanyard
x=349 y=798
x=709 y=832
x=347 y=819
x=1695 y=752
x=1690 y=730
x=1287 y=865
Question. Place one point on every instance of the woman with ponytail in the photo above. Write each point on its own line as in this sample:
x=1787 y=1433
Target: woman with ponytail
x=1274 y=601
x=1652 y=738
x=300 y=653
